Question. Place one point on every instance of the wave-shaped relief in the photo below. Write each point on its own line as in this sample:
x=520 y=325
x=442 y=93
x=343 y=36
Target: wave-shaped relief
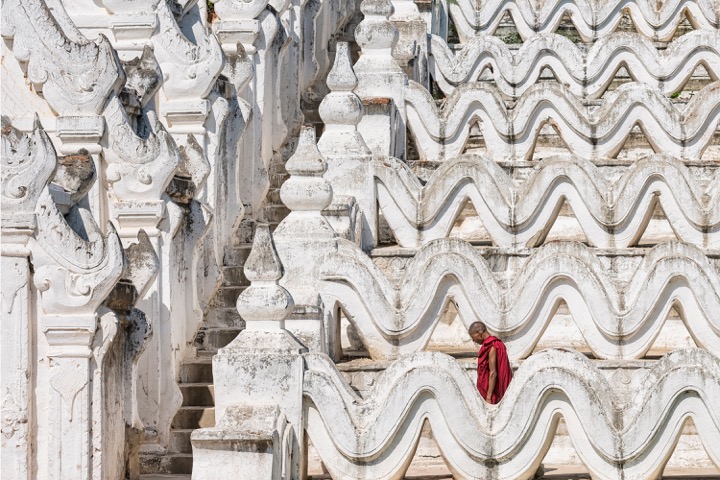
x=586 y=72
x=600 y=132
x=656 y=19
x=375 y=437
x=618 y=319
x=612 y=214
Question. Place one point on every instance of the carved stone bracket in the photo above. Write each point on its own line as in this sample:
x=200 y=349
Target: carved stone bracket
x=73 y=274
x=28 y=163
x=75 y=77
x=140 y=169
x=189 y=70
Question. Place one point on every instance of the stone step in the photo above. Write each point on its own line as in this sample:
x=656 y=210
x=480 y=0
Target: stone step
x=211 y=339
x=236 y=256
x=550 y=143
x=223 y=317
x=234 y=276
x=180 y=440
x=198 y=394
x=194 y=417
x=198 y=370
x=168 y=464
x=273 y=196
x=227 y=296
x=165 y=476
x=276 y=213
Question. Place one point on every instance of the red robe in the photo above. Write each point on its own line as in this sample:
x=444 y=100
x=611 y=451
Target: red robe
x=504 y=372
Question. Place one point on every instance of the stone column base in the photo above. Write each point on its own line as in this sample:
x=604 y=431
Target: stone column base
x=250 y=441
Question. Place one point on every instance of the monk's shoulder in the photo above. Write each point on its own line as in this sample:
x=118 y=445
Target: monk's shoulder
x=498 y=344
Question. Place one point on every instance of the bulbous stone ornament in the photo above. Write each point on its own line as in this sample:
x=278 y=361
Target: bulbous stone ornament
x=306 y=190
x=265 y=300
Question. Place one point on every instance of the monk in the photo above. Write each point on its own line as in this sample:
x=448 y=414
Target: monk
x=493 y=371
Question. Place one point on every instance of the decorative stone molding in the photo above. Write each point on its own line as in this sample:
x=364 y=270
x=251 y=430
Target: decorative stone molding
x=141 y=168
x=612 y=213
x=74 y=275
x=143 y=263
x=585 y=73
x=618 y=321
x=140 y=273
x=238 y=24
x=655 y=19
x=76 y=77
x=28 y=163
x=602 y=133
x=509 y=440
x=143 y=81
x=128 y=24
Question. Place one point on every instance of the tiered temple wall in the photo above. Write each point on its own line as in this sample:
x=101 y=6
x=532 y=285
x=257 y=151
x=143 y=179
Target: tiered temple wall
x=365 y=179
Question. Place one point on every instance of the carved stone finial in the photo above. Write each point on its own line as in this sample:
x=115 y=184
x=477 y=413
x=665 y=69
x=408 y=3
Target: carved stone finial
x=189 y=69
x=341 y=106
x=306 y=189
x=239 y=67
x=341 y=110
x=265 y=300
x=376 y=34
x=143 y=263
x=341 y=77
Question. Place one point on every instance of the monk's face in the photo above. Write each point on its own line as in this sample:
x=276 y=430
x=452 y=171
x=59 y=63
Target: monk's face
x=478 y=336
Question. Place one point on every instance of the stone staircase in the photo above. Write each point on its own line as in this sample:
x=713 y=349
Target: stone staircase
x=220 y=326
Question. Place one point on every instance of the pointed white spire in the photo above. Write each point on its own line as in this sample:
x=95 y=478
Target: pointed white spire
x=264 y=305
x=341 y=110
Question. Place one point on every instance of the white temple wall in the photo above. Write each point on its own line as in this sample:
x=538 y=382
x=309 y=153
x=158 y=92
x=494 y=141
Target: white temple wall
x=452 y=179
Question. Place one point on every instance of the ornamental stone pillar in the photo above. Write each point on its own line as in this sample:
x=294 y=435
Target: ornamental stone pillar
x=304 y=238
x=28 y=163
x=258 y=383
x=73 y=276
x=381 y=81
x=348 y=158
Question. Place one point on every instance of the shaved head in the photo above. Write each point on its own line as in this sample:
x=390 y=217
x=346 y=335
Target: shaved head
x=477 y=327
